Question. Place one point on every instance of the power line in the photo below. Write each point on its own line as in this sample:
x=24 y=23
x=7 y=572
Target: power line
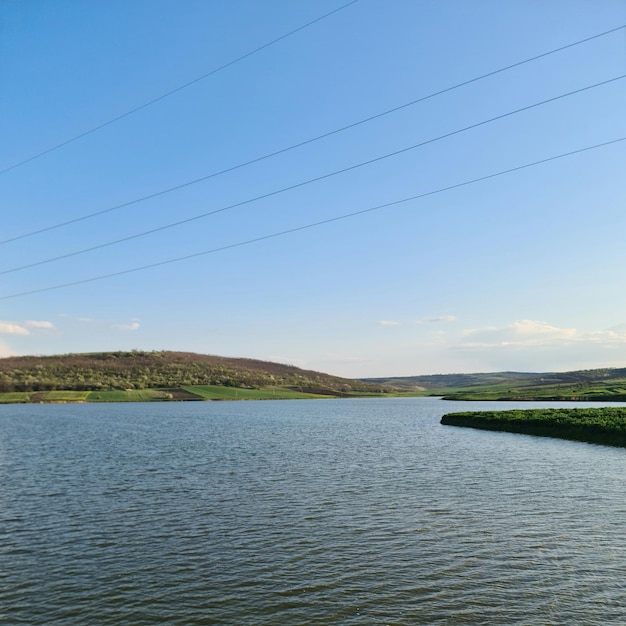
x=302 y=143
x=175 y=90
x=309 y=181
x=314 y=224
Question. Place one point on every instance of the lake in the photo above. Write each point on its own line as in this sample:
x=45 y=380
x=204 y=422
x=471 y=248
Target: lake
x=363 y=511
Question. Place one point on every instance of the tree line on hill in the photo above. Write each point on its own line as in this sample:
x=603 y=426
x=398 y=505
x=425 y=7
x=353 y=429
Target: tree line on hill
x=539 y=379
x=160 y=369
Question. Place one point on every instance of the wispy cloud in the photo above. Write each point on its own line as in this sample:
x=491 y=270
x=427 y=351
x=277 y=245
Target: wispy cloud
x=387 y=323
x=22 y=327
x=38 y=324
x=606 y=338
x=10 y=328
x=521 y=333
x=436 y=320
x=132 y=324
x=81 y=320
x=129 y=326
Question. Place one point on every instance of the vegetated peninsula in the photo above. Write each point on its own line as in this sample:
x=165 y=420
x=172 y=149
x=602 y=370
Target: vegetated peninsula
x=164 y=375
x=606 y=425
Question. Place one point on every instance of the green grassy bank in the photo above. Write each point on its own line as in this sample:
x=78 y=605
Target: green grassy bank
x=605 y=425
x=602 y=391
x=191 y=392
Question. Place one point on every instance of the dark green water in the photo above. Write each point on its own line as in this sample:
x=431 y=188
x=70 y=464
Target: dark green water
x=302 y=512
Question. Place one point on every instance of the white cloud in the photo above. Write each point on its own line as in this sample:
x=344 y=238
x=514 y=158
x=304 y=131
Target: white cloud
x=518 y=334
x=130 y=326
x=9 y=328
x=530 y=327
x=436 y=320
x=606 y=337
x=81 y=320
x=387 y=323
x=38 y=324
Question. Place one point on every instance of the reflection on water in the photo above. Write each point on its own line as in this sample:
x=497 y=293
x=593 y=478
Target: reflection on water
x=302 y=512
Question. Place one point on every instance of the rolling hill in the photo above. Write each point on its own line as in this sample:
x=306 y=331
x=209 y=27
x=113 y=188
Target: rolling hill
x=173 y=373
x=597 y=384
x=165 y=375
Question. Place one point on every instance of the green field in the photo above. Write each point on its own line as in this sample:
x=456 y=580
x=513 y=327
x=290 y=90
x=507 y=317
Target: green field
x=43 y=396
x=612 y=391
x=130 y=395
x=604 y=384
x=13 y=397
x=191 y=392
x=606 y=425
x=213 y=392
x=61 y=396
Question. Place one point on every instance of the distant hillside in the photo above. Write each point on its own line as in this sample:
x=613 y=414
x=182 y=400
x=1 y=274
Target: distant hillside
x=599 y=384
x=148 y=376
x=163 y=370
x=442 y=381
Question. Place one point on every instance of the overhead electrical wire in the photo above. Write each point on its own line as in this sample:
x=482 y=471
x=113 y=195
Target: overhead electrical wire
x=311 y=180
x=176 y=89
x=302 y=143
x=314 y=224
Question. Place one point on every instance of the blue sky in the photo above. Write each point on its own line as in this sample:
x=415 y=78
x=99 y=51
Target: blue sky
x=523 y=271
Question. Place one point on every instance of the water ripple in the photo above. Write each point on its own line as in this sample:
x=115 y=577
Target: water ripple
x=322 y=512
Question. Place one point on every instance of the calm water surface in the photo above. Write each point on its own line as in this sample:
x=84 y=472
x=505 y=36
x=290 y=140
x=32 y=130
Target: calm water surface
x=303 y=512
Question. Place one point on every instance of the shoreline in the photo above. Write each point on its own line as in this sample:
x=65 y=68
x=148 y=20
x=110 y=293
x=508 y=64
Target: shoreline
x=604 y=426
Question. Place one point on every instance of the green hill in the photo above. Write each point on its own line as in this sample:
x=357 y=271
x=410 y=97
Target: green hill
x=598 y=384
x=444 y=381
x=165 y=375
x=137 y=375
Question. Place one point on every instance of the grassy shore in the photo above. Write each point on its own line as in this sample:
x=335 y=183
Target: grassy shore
x=605 y=425
x=613 y=391
x=190 y=392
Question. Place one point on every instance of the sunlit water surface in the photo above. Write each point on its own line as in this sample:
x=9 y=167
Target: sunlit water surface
x=303 y=512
